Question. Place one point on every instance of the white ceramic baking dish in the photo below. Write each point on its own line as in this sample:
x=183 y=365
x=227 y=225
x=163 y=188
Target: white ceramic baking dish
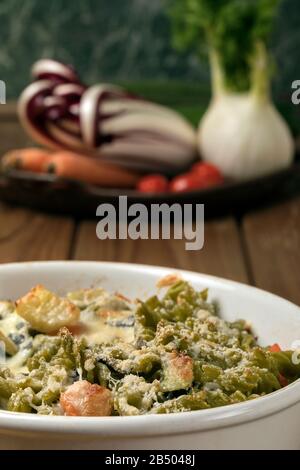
x=270 y=422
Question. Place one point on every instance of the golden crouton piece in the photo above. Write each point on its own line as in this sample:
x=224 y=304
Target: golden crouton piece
x=168 y=281
x=45 y=311
x=86 y=399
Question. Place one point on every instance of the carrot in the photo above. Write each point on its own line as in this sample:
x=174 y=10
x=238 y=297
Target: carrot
x=28 y=159
x=89 y=170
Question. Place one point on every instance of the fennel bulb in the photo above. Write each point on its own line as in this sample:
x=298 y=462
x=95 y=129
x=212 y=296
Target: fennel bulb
x=241 y=133
x=245 y=137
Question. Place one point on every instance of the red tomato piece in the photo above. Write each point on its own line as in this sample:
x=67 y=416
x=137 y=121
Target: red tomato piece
x=184 y=182
x=282 y=380
x=207 y=174
x=275 y=348
x=201 y=176
x=153 y=184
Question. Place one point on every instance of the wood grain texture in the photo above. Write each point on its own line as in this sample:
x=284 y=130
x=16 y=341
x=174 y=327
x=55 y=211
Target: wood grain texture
x=8 y=112
x=221 y=242
x=272 y=240
x=12 y=136
x=27 y=236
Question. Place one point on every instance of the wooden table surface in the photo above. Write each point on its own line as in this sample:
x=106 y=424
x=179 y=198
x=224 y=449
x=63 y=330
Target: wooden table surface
x=262 y=249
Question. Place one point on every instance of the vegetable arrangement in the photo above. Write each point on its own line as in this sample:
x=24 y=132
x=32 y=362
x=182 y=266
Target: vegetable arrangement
x=200 y=176
x=79 y=167
x=241 y=133
x=167 y=354
x=105 y=136
x=60 y=112
x=70 y=165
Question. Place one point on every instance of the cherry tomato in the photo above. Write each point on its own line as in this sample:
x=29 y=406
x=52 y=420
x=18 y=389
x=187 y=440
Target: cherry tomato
x=201 y=175
x=207 y=174
x=275 y=348
x=153 y=184
x=184 y=182
x=282 y=380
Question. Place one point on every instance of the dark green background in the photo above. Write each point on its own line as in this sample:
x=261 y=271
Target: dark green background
x=127 y=41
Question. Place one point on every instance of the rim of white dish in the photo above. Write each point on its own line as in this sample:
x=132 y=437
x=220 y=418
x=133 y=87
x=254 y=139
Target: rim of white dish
x=149 y=425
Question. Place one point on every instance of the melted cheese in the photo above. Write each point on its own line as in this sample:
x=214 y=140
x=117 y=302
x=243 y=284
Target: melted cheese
x=14 y=327
x=100 y=332
x=103 y=318
x=105 y=328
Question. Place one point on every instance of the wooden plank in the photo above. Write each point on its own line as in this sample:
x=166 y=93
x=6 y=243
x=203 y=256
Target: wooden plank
x=221 y=256
x=27 y=235
x=8 y=111
x=12 y=136
x=272 y=240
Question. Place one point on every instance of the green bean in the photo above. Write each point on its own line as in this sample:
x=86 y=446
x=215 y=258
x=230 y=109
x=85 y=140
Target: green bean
x=125 y=359
x=210 y=373
x=177 y=372
x=45 y=350
x=285 y=365
x=22 y=401
x=217 y=398
x=192 y=402
x=178 y=304
x=238 y=396
x=135 y=396
x=7 y=387
x=248 y=380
